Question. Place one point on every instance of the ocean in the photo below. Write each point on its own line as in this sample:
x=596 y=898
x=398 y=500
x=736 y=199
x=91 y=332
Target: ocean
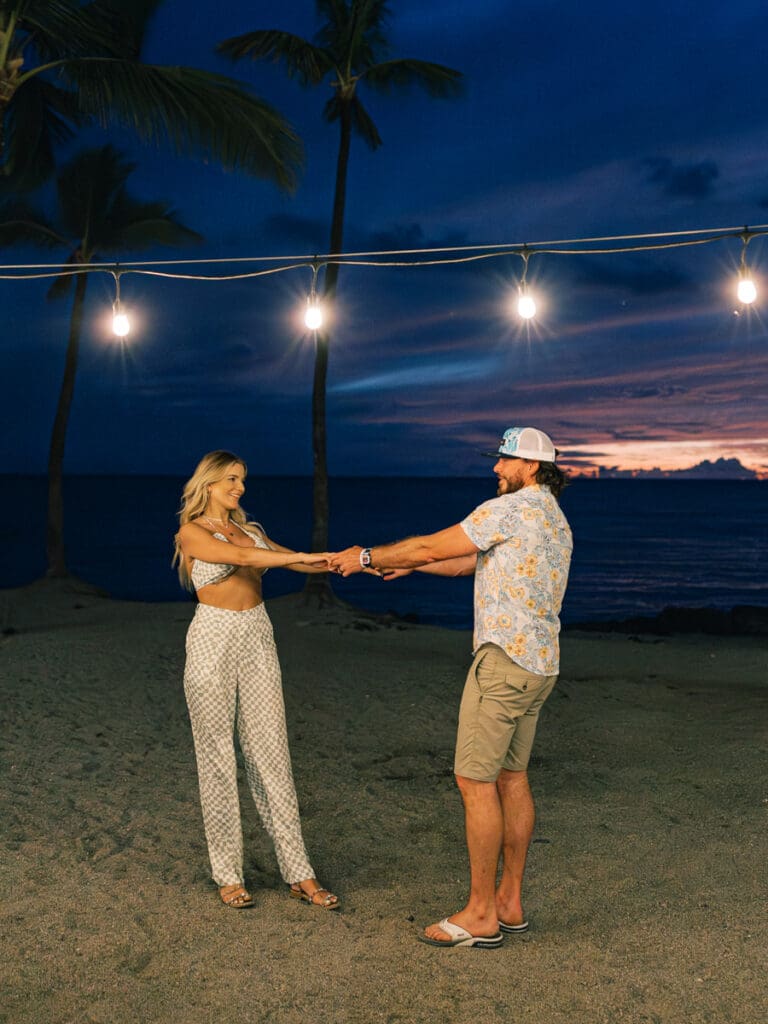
x=639 y=545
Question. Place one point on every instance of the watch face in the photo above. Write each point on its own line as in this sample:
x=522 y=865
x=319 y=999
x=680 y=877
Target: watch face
x=365 y=557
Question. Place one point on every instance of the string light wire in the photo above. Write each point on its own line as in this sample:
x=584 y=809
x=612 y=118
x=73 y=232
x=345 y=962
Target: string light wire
x=384 y=258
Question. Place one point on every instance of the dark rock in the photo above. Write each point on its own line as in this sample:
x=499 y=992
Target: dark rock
x=743 y=620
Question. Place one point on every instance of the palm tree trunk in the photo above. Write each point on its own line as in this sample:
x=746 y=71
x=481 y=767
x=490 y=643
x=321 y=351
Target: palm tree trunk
x=57 y=565
x=317 y=587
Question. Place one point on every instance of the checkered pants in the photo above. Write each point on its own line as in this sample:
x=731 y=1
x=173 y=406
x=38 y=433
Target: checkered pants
x=232 y=676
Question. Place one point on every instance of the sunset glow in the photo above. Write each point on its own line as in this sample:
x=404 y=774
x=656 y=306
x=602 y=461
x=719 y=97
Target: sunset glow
x=668 y=456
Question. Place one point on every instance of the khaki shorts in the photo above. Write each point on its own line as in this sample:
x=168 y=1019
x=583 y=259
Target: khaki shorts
x=498 y=715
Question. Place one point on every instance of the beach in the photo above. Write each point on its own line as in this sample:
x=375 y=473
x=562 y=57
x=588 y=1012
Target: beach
x=646 y=877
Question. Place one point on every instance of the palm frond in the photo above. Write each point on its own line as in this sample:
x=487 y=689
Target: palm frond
x=303 y=60
x=87 y=187
x=164 y=230
x=354 y=32
x=123 y=23
x=334 y=15
x=369 y=42
x=196 y=111
x=96 y=207
x=39 y=117
x=362 y=123
x=439 y=81
x=332 y=109
x=136 y=224
x=21 y=224
x=63 y=29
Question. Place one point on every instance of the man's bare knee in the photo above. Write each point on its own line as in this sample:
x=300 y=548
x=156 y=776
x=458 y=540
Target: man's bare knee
x=470 y=788
x=512 y=782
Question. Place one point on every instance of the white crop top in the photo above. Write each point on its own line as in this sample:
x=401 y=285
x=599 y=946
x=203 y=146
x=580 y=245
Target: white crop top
x=205 y=573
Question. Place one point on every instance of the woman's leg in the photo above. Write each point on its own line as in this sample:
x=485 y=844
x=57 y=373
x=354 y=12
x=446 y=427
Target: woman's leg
x=264 y=742
x=210 y=686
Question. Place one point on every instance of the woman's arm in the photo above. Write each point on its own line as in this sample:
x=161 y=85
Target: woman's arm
x=296 y=566
x=197 y=542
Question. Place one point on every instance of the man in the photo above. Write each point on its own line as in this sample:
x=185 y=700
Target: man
x=519 y=547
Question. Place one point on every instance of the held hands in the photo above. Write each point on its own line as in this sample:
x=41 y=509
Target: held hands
x=346 y=562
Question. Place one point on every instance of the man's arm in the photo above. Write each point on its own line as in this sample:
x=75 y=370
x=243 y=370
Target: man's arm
x=412 y=553
x=464 y=565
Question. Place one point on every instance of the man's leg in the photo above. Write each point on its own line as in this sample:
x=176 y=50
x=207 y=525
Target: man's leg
x=485 y=833
x=500 y=701
x=518 y=812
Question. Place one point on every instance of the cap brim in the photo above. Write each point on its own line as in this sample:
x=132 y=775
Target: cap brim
x=531 y=458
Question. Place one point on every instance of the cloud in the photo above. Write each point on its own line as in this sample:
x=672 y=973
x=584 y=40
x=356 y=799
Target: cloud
x=647 y=391
x=414 y=375
x=633 y=275
x=683 y=181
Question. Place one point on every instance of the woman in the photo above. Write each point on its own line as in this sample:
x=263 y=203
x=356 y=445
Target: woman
x=232 y=677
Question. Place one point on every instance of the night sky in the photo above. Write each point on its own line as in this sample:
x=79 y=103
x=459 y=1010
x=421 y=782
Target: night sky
x=596 y=119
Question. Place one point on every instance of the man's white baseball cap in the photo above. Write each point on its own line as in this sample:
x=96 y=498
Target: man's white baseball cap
x=525 y=443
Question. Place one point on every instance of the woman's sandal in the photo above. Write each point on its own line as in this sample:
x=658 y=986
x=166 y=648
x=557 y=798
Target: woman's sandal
x=236 y=896
x=319 y=898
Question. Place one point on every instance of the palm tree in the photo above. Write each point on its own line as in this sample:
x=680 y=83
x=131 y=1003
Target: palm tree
x=64 y=63
x=350 y=50
x=97 y=218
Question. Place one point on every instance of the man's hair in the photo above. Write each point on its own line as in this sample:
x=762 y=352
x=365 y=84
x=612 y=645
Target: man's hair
x=552 y=476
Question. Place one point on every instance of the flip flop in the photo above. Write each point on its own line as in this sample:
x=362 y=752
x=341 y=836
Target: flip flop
x=513 y=929
x=461 y=937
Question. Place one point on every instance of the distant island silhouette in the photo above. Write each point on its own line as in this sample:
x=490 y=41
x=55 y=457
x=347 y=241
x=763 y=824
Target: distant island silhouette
x=720 y=469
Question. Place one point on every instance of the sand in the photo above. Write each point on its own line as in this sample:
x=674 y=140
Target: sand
x=646 y=878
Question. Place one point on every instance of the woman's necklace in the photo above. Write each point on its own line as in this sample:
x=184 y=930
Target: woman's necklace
x=227 y=523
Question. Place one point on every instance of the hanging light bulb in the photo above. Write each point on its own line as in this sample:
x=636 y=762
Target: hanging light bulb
x=745 y=290
x=313 y=315
x=121 y=325
x=526 y=306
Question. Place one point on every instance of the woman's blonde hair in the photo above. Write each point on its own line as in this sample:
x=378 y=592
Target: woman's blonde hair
x=194 y=498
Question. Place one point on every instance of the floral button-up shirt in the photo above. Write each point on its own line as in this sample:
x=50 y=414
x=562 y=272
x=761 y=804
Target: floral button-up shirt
x=522 y=568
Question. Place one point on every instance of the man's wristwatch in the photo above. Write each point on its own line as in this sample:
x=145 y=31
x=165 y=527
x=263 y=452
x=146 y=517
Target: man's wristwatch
x=365 y=558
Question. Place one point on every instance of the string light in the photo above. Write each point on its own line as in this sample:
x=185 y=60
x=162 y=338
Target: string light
x=746 y=290
x=313 y=315
x=121 y=325
x=526 y=304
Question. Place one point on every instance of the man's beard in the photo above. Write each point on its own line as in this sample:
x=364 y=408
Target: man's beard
x=507 y=487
